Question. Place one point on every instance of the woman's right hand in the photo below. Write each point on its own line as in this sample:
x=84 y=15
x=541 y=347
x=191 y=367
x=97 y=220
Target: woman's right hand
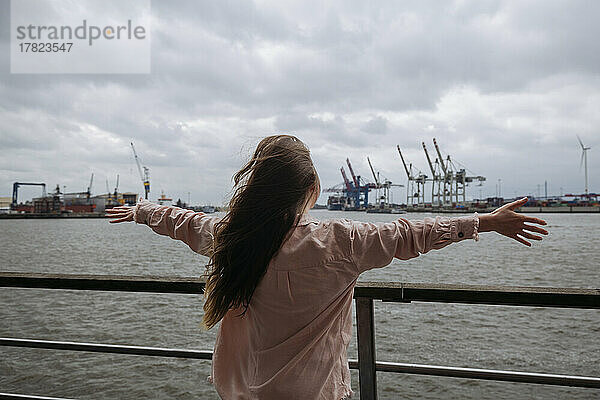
x=507 y=222
x=120 y=213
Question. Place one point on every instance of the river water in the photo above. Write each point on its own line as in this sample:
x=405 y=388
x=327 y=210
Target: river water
x=513 y=338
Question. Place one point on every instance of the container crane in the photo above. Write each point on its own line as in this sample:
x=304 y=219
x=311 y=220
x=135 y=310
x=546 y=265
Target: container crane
x=420 y=180
x=373 y=172
x=89 y=189
x=455 y=180
x=436 y=179
x=334 y=189
x=354 y=195
x=448 y=176
x=117 y=187
x=385 y=185
x=354 y=178
x=451 y=178
x=16 y=186
x=347 y=182
x=377 y=184
x=143 y=175
x=404 y=163
x=338 y=200
x=359 y=190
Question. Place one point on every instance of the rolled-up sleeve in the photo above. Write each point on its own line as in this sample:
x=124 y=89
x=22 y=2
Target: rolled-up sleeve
x=374 y=245
x=195 y=229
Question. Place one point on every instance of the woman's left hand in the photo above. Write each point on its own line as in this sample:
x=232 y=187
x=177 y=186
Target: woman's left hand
x=507 y=222
x=121 y=214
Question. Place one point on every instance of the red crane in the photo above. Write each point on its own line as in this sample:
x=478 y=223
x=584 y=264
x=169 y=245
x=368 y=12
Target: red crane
x=354 y=178
x=346 y=180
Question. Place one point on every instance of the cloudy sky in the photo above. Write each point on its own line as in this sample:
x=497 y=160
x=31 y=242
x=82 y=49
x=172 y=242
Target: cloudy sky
x=504 y=86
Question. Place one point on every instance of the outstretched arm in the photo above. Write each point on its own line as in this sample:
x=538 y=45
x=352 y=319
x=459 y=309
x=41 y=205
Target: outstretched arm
x=375 y=245
x=193 y=228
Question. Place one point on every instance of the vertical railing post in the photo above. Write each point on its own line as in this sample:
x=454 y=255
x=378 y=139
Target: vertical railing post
x=366 y=348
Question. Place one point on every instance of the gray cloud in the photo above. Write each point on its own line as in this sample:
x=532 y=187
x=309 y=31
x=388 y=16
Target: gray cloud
x=376 y=126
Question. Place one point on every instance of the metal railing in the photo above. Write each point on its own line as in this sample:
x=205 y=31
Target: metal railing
x=364 y=293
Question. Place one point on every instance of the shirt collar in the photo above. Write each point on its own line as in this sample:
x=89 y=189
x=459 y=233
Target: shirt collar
x=305 y=219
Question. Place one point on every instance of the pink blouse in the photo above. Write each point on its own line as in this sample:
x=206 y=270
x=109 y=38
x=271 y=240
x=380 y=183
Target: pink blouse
x=292 y=341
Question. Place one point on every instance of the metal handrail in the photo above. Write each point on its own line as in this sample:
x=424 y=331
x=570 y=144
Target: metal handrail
x=456 y=372
x=364 y=293
x=385 y=291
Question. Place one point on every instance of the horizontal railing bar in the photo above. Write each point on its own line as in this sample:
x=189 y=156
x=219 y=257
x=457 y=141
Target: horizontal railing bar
x=386 y=291
x=419 y=369
x=154 y=284
x=490 y=374
x=481 y=294
x=28 y=397
x=107 y=348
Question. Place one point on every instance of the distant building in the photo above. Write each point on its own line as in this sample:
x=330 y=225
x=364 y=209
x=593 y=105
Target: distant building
x=208 y=209
x=110 y=200
x=47 y=205
x=78 y=202
x=130 y=198
x=26 y=207
x=5 y=204
x=163 y=200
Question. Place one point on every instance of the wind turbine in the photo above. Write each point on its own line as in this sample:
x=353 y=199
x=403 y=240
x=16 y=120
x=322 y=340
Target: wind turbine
x=584 y=160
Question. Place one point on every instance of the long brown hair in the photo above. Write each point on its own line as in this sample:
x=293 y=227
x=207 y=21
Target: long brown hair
x=270 y=192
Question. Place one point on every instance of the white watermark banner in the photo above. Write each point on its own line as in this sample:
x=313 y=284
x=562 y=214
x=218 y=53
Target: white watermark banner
x=83 y=36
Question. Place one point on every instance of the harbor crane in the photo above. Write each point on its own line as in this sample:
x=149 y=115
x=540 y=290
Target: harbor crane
x=117 y=187
x=418 y=180
x=359 y=191
x=436 y=187
x=354 y=179
x=336 y=201
x=354 y=195
x=347 y=196
x=116 y=191
x=373 y=172
x=447 y=178
x=334 y=189
x=454 y=180
x=379 y=199
x=346 y=181
x=448 y=182
x=386 y=185
x=143 y=175
x=89 y=189
x=16 y=186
